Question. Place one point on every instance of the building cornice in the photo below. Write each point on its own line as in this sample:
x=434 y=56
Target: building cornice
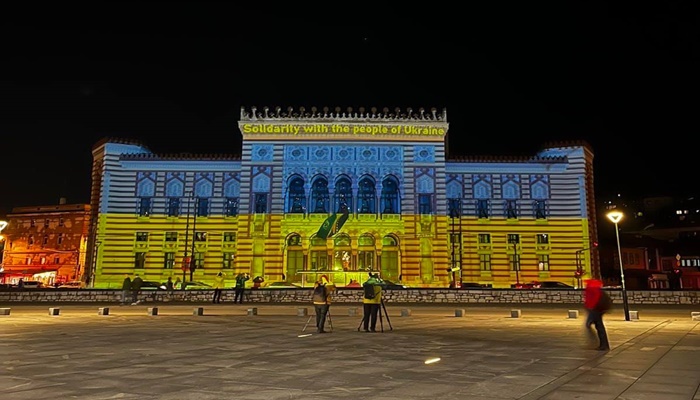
x=337 y=114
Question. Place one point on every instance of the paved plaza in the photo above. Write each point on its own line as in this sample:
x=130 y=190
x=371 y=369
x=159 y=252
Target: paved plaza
x=228 y=354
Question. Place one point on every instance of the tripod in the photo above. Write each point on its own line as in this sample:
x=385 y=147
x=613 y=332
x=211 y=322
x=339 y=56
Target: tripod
x=328 y=319
x=381 y=318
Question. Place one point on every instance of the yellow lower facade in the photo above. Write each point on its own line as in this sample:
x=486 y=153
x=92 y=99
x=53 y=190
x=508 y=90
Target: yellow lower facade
x=415 y=250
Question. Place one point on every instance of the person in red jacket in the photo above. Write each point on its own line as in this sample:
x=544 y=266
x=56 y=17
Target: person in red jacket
x=592 y=296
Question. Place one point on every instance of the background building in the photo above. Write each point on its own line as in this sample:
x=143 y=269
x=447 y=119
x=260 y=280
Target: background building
x=342 y=193
x=658 y=236
x=46 y=243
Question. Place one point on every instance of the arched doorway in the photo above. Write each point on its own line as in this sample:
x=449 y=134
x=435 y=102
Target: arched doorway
x=390 y=259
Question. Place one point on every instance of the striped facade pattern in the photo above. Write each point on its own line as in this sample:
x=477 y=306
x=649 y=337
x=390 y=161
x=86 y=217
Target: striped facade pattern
x=424 y=247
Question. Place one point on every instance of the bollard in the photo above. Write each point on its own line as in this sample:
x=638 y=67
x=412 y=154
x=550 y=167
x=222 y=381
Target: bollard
x=573 y=314
x=515 y=313
x=153 y=311
x=103 y=311
x=54 y=311
x=198 y=311
x=302 y=312
x=4 y=311
x=253 y=311
x=634 y=315
x=406 y=312
x=695 y=315
x=352 y=311
x=459 y=312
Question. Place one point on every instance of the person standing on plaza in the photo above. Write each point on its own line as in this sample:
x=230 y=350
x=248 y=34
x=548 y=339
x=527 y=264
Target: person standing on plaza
x=135 y=288
x=371 y=301
x=126 y=289
x=219 y=281
x=597 y=303
x=240 y=287
x=321 y=298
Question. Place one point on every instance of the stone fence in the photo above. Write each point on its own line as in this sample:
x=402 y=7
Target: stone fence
x=346 y=295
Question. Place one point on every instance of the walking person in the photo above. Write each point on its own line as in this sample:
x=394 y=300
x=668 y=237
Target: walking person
x=135 y=288
x=240 y=287
x=321 y=298
x=597 y=303
x=371 y=301
x=169 y=288
x=219 y=281
x=126 y=290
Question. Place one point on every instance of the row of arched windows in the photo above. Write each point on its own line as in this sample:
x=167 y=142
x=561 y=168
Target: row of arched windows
x=344 y=240
x=363 y=200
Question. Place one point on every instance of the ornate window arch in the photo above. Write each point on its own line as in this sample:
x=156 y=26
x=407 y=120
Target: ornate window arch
x=343 y=193
x=366 y=195
x=390 y=196
x=320 y=199
x=296 y=195
x=294 y=239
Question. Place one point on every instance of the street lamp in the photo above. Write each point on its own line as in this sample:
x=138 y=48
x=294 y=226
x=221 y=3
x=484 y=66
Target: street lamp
x=615 y=217
x=186 y=263
x=193 y=259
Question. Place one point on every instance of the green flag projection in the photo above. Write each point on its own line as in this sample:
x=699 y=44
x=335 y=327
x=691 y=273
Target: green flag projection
x=333 y=224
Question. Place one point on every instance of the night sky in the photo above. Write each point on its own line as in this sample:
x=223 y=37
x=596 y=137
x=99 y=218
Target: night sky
x=174 y=74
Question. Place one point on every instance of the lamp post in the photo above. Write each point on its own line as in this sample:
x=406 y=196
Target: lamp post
x=186 y=261
x=615 y=217
x=193 y=261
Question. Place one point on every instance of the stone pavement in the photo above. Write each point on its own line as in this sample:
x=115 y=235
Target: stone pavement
x=227 y=354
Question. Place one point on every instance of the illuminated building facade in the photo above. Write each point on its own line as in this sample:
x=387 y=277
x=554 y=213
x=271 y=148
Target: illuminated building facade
x=46 y=243
x=380 y=179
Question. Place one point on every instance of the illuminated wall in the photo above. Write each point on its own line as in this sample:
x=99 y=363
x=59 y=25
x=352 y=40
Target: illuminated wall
x=46 y=243
x=413 y=215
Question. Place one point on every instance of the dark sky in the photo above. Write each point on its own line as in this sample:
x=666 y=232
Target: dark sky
x=623 y=77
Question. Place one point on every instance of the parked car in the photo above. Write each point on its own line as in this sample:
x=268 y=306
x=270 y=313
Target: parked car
x=386 y=284
x=353 y=284
x=281 y=285
x=473 y=285
x=32 y=285
x=194 y=285
x=152 y=285
x=543 y=285
x=72 y=285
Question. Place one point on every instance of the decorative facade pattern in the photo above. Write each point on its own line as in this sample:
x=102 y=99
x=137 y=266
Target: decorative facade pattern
x=406 y=209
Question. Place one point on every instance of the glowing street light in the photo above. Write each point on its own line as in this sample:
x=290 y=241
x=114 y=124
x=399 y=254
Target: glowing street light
x=3 y=225
x=615 y=217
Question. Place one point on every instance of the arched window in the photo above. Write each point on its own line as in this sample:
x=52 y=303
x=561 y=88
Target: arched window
x=342 y=240
x=296 y=199
x=343 y=194
x=295 y=258
x=389 y=241
x=390 y=265
x=365 y=240
x=366 y=196
x=320 y=200
x=366 y=256
x=294 y=240
x=318 y=255
x=390 y=196
x=317 y=241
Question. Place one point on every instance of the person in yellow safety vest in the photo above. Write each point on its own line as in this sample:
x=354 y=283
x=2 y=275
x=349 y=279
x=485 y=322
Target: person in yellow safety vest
x=371 y=301
x=321 y=299
x=219 y=280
